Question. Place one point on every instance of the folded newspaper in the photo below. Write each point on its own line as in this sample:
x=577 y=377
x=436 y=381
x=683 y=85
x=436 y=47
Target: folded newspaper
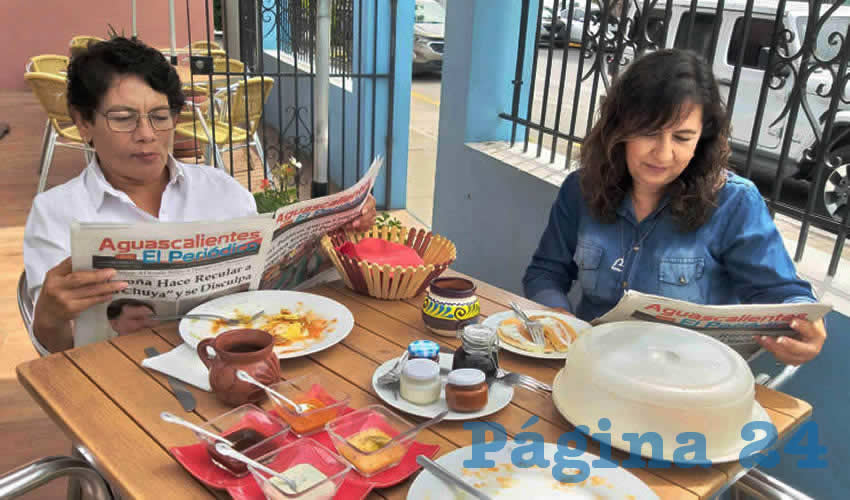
x=734 y=325
x=173 y=267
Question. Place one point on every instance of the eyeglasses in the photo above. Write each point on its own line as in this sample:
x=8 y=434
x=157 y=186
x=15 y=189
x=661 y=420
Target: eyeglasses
x=128 y=120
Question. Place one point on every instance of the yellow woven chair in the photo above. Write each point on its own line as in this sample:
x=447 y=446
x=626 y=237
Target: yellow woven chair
x=225 y=65
x=50 y=90
x=204 y=45
x=235 y=126
x=48 y=63
x=80 y=43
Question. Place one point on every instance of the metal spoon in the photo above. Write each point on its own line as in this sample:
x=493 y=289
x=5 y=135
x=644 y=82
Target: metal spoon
x=174 y=419
x=414 y=430
x=230 y=452
x=299 y=408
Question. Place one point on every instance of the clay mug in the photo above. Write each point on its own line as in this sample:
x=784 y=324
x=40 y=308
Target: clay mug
x=243 y=349
x=450 y=304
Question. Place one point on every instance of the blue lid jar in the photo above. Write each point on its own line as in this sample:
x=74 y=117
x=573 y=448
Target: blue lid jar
x=426 y=349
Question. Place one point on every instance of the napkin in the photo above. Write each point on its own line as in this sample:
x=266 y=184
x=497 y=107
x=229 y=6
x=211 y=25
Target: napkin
x=182 y=363
x=380 y=251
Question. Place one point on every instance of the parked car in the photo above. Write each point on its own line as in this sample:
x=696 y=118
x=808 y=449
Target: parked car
x=428 y=36
x=833 y=191
x=555 y=30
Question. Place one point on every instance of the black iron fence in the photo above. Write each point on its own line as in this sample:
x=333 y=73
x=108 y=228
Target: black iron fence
x=783 y=66
x=287 y=29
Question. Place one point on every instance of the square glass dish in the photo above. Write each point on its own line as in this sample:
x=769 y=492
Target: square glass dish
x=252 y=431
x=316 y=472
x=324 y=403
x=366 y=438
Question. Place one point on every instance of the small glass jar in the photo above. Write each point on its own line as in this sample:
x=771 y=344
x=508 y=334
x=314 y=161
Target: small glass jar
x=420 y=381
x=479 y=349
x=426 y=349
x=466 y=390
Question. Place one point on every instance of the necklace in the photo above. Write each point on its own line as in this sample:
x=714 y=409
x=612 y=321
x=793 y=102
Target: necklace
x=619 y=263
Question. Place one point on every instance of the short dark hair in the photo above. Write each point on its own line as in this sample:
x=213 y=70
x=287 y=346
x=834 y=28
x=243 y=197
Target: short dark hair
x=654 y=91
x=91 y=74
x=114 y=309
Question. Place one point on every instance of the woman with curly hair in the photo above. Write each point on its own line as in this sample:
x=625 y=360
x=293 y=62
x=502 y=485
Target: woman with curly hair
x=654 y=208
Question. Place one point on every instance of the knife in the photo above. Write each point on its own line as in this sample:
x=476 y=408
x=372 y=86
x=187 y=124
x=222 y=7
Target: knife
x=449 y=477
x=187 y=400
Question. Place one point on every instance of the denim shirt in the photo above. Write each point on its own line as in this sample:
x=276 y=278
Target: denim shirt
x=736 y=257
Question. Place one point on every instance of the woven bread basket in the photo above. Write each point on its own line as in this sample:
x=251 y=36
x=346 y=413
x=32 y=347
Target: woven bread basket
x=385 y=281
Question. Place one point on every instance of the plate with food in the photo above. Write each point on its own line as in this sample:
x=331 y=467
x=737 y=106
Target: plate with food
x=560 y=330
x=301 y=323
x=509 y=479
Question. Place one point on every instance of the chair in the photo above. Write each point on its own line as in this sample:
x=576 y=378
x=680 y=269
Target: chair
x=48 y=63
x=80 y=43
x=204 y=45
x=225 y=65
x=50 y=90
x=32 y=475
x=235 y=126
x=25 y=305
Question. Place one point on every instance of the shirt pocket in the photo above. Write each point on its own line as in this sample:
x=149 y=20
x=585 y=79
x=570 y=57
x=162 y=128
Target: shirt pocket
x=588 y=257
x=680 y=278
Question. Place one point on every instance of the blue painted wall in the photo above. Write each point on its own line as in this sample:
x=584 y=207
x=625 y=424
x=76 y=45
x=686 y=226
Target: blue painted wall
x=374 y=39
x=493 y=212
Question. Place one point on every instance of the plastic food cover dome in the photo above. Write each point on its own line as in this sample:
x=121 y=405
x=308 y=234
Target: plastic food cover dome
x=651 y=377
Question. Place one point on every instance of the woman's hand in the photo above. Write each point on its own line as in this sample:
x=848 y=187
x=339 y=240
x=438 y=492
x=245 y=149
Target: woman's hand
x=64 y=295
x=367 y=216
x=794 y=351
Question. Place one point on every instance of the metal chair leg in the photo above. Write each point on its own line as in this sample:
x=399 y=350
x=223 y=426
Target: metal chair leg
x=756 y=484
x=259 y=147
x=34 y=474
x=48 y=128
x=46 y=159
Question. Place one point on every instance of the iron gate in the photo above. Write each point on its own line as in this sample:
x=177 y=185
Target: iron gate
x=276 y=39
x=789 y=59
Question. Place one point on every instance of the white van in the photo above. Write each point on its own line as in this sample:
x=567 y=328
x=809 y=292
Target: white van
x=832 y=194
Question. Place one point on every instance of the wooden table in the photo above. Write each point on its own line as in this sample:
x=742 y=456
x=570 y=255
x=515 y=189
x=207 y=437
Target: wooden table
x=103 y=399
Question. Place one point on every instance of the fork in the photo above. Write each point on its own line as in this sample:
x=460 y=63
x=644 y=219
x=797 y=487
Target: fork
x=209 y=317
x=534 y=327
x=524 y=381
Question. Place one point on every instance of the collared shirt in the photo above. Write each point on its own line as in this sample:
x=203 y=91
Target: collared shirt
x=193 y=193
x=736 y=257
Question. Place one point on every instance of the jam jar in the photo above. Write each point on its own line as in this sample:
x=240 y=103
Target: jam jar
x=466 y=390
x=479 y=349
x=427 y=349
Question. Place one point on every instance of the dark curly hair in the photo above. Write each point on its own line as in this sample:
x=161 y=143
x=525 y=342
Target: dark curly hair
x=652 y=93
x=91 y=74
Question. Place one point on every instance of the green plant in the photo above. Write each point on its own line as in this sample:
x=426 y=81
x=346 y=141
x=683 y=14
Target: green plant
x=281 y=190
x=384 y=219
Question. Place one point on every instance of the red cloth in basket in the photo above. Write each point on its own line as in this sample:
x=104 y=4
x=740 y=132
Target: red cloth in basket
x=380 y=251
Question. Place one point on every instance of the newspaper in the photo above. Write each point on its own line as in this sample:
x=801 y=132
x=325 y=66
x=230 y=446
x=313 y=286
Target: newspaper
x=734 y=325
x=171 y=268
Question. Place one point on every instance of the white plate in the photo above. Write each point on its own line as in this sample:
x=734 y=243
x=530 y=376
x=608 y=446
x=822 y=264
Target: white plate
x=733 y=454
x=506 y=481
x=494 y=320
x=271 y=301
x=498 y=397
